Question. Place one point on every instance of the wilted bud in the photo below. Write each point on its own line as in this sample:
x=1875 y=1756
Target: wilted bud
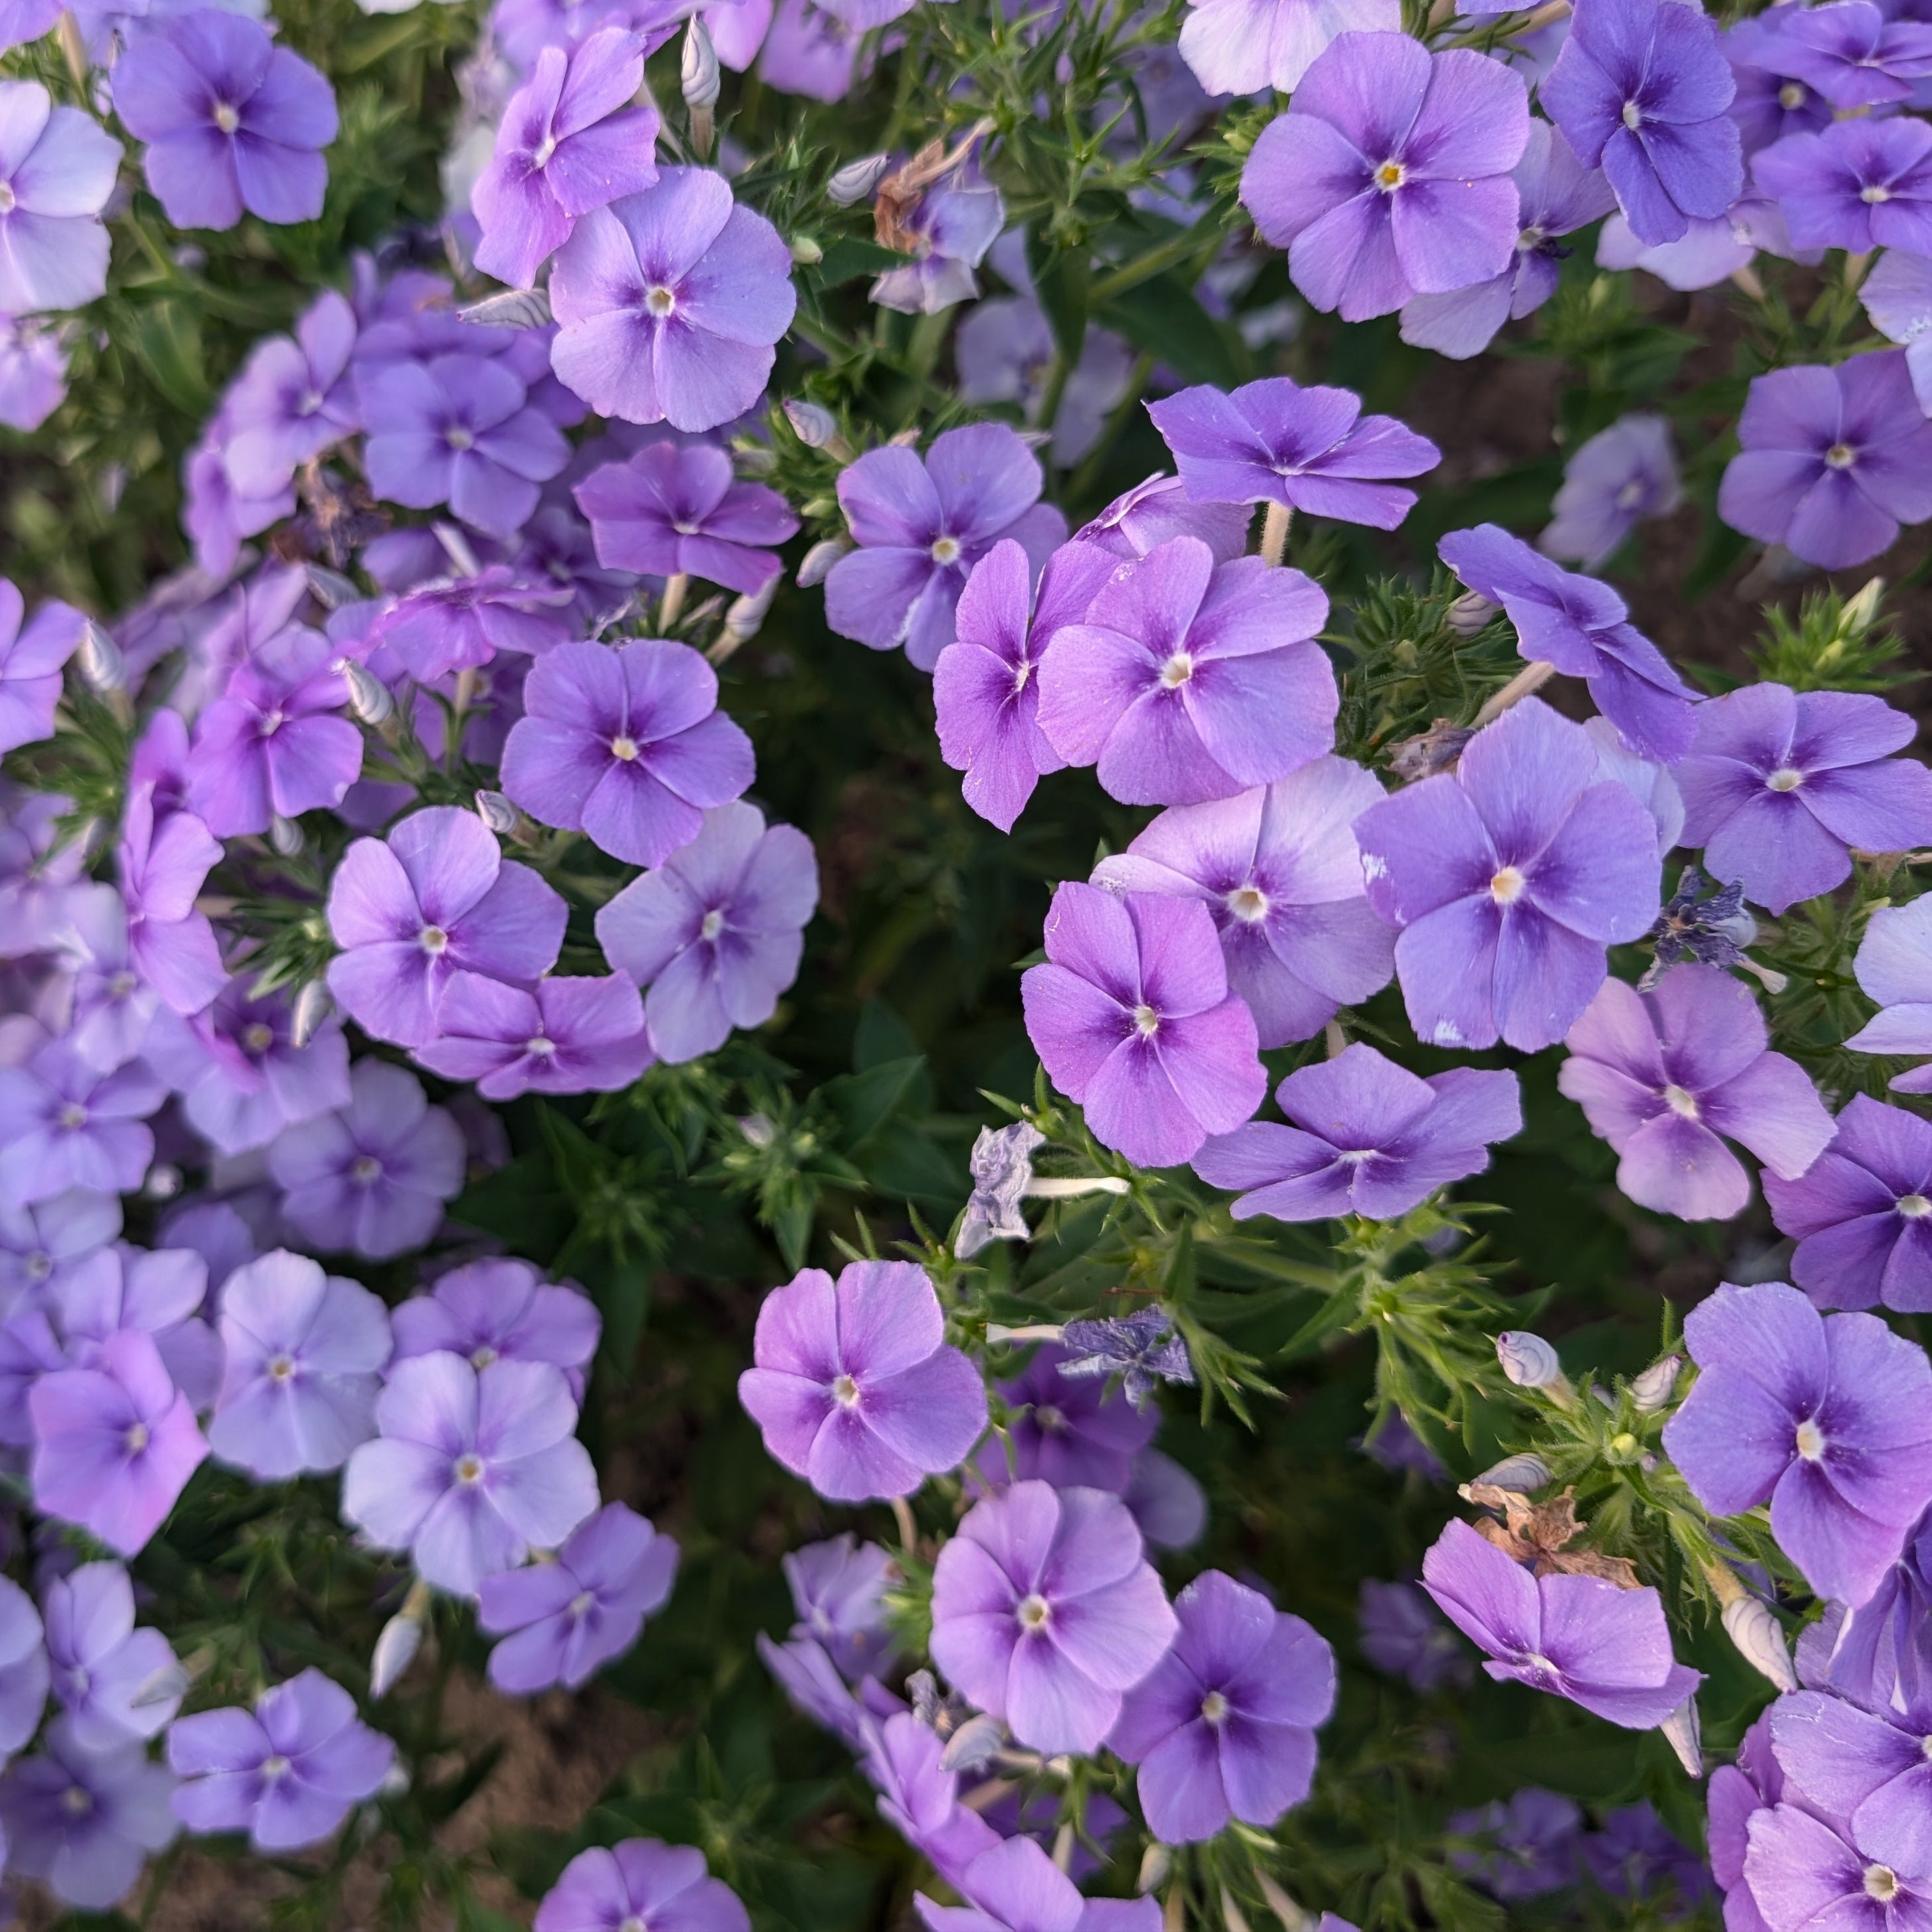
x=1685 y=1736
x=395 y=1650
x=497 y=812
x=1652 y=1389
x=1156 y=1861
x=162 y=1182
x=1522 y=1474
x=313 y=1006
x=814 y=425
x=330 y=588
x=1470 y=613
x=1527 y=1360
x=1750 y=1624
x=1428 y=752
x=855 y=182
x=285 y=836
x=697 y=70
x=98 y=658
x=369 y=697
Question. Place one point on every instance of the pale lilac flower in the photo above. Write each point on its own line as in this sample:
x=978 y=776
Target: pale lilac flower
x=1897 y=299
x=1858 y=185
x=293 y=400
x=668 y=303
x=33 y=372
x=436 y=898
x=1894 y=965
x=809 y=52
x=472 y=1469
x=459 y=623
x=1529 y=1844
x=957 y=219
x=1829 y=1419
x=1779 y=784
x=1866 y=1768
x=64 y=1124
x=1004 y=353
x=372 y=1178
x=677 y=510
x=1279 y=869
x=501 y=1310
x=30 y=658
x=1144 y=518
x=287 y=1773
x=1855 y=53
x=161 y=1292
x=1400 y=1632
x=25 y=1664
x=101 y=1664
x=1369 y=1138
x=57 y=170
x=654 y=1884
x=855 y=1387
x=1014 y=1886
x=113 y=1010
x=41 y=1245
x=1247 y=47
x=1507 y=880
x=838 y=1589
x=1389 y=176
x=1619 y=478
x=558 y=1622
x=232 y=121
x=922 y=524
x=1637 y=1856
x=1132 y=1017
x=162 y=860
x=564 y=1036
x=24 y=21
x=1664 y=1073
x=1803 y=1870
x=1077 y=1434
x=40 y=862
x=1579 y=1637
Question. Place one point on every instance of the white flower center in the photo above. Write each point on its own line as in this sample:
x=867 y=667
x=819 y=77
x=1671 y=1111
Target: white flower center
x=1630 y=495
x=539 y=1048
x=1214 y=1707
x=457 y=437
x=946 y=550
x=40 y=1265
x=469 y=1468
x=1810 y=1441
x=273 y=1769
x=845 y=1391
x=1391 y=176
x=1506 y=887
x=659 y=300
x=1840 y=456
x=1872 y=196
x=1535 y=1660
x=137 y=1437
x=9 y=201
x=365 y=1170
x=226 y=117
x=1249 y=903
x=1052 y=1419
x=77 y=1799
x=625 y=748
x=713 y=924
x=280 y=1369
x=1791 y=96
x=121 y=985
x=72 y=1116
x=1633 y=115
x=1032 y=1612
x=1146 y=1022
x=1881 y=1883
x=540 y=155
x=257 y=1038
x=1680 y=1101
x=481 y=1357
x=272 y=721
x=1177 y=669
x=583 y=1604
x=1786 y=778
x=432 y=940
x=1914 y=1207
x=1529 y=240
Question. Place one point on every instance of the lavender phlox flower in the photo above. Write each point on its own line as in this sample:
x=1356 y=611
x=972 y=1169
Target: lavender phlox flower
x=854 y=1386
x=160 y=1291
x=1579 y=1637
x=215 y=1231
x=1133 y=1018
x=24 y=21
x=1389 y=175
x=1141 y=1348
x=1706 y=927
x=1401 y=1633
x=810 y=52
x=1369 y=1138
x=1637 y=1856
x=906 y=1757
x=1308 y=449
x=947 y=224
x=1880 y=1655
x=40 y=862
x=111 y=1009
x=1144 y=518
x=521 y=29
x=1621 y=476
x=676 y=510
x=1737 y=1793
x=24 y=1665
x=1893 y=966
x=1668 y=1075
x=33 y=372
x=1855 y=53
x=838 y=1589
x=85 y=1821
x=435 y=899
x=564 y=1035
x=1770 y=103
x=1247 y=47
x=811 y=1681
x=1004 y=353
x=231 y=120
x=1045 y=1613
x=1524 y=1845
x=162 y=861
x=103 y=1667
x=557 y=1622
x=459 y=623
x=717 y=294
x=1002 y=1168
x=1857 y=185
x=501 y=1310
x=286 y=1772
x=293 y=400
x=1829 y=1418
x=1897 y=298
x=31 y=658
x=716 y=931
x=1779 y=784
x=922 y=524
x=1802 y=1869
x=654 y=1884
x=57 y=169
x=1084 y=1434
x=40 y=1245
x=1641 y=89
x=1014 y=1886
x=1868 y=1768
x=63 y=1123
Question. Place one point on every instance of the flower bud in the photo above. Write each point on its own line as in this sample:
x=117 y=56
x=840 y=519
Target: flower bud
x=515 y=308
x=1527 y=1360
x=973 y=1746
x=855 y=181
x=456 y=547
x=814 y=425
x=745 y=617
x=313 y=1006
x=285 y=836
x=162 y=1182
x=805 y=252
x=697 y=70
x=818 y=561
x=167 y=1685
x=497 y=812
x=758 y=1129
x=1469 y=613
x=369 y=697
x=1750 y=1624
x=99 y=660
x=1652 y=1389
x=1232 y=1918
x=395 y=1650
x=1685 y=1736
x=1522 y=1474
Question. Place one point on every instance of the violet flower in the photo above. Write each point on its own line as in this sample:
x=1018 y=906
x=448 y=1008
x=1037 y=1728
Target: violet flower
x=1308 y=449
x=111 y=1012
x=1857 y=185
x=1507 y=880
x=33 y=372
x=22 y=21
x=809 y=51
x=1389 y=175
x=1529 y=1844
x=627 y=746
x=1779 y=784
x=472 y=1469
x=26 y=1667
x=1004 y=353
x=676 y=510
x=1076 y=1434
x=569 y=141
x=1866 y=1768
x=287 y=1772
x=41 y=1246
x=559 y=1622
x=63 y=1123
x=854 y=1386
x=922 y=524
x=717 y=294
x=501 y=1310
x=30 y=658
x=1143 y=518
x=715 y=933
x=162 y=860
x=1579 y=1637
x=459 y=623
x=1014 y=1886
x=104 y=1671
x=1893 y=966
x=564 y=1036
x=1247 y=47
x=1621 y=476
x=1369 y=1138
x=434 y=899
x=954 y=221
x=1662 y=1073
x=1402 y=1633
x=655 y=1884
x=232 y=121
x=1797 y=1862
x=838 y=1589
x=1830 y=1419
x=1133 y=1019
x=1851 y=51
x=57 y=169
x=293 y=401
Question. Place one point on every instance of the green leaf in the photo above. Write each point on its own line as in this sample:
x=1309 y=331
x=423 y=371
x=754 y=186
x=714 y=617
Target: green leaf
x=1161 y=317
x=521 y=1204
x=1062 y=279
x=913 y=1166
x=847 y=259
x=865 y=1102
x=166 y=337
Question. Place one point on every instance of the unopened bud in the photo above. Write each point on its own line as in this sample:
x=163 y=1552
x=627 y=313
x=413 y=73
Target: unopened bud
x=973 y=1746
x=1527 y=1360
x=805 y=251
x=1750 y=1624
x=167 y=1685
x=814 y=425
x=515 y=308
x=1522 y=1474
x=99 y=660
x=497 y=812
x=1652 y=1389
x=313 y=1006
x=698 y=71
x=369 y=697
x=819 y=559
x=1232 y=1915
x=330 y=588
x=1469 y=613
x=1685 y=1736
x=905 y=439
x=855 y=182
x=162 y=1182
x=395 y=1649
x=745 y=617
x=285 y=836
x=456 y=547
x=1156 y=1861
x=1283 y=1907
x=758 y=1129
x=1856 y=618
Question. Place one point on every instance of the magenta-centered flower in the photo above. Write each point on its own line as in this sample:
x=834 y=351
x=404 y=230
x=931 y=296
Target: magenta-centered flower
x=57 y=169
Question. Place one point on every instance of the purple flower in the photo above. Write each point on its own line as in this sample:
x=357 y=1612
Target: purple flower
x=1833 y=460
x=57 y=169
x=41 y=1246
x=627 y=746
x=1311 y=450
x=1246 y=46
x=1004 y=354
x=569 y=141
x=1133 y=1019
x=668 y=303
x=1804 y=1870
x=22 y=21
x=231 y=120
x=1894 y=965
x=30 y=665
x=1141 y=1349
x=1868 y=1768
x=838 y=1590
x=1897 y=299
x=1389 y=176
x=85 y=1821
x=33 y=372
x=293 y=401
x=655 y=1884
x=303 y=1353
x=1507 y=879
x=1146 y=516
x=1013 y=1886
x=1278 y=868
x=1580 y=1637
x=434 y=899
x=716 y=931
x=1858 y=185
x=286 y=1773
x=1779 y=784
x=1401 y=1633
x=1851 y=51
x=1642 y=91
x=472 y=1467
x=1187 y=682
x=24 y=1664
x=501 y=1310
x=809 y=51
x=563 y=1036
x=954 y=221
x=1225 y=1725
x=104 y=1671
x=559 y=1622
x=457 y=430
x=115 y=1445
x=855 y=1387
x=1831 y=1420
x=921 y=524
x=1662 y=1074
x=1622 y=475
x=1637 y=1855
x=458 y=623
x=1044 y=1613
x=162 y=860
x=1529 y=1844
x=1369 y=1138
x=675 y=510
x=1071 y=1432
x=372 y=1178
x=160 y=1293
x=63 y=1123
